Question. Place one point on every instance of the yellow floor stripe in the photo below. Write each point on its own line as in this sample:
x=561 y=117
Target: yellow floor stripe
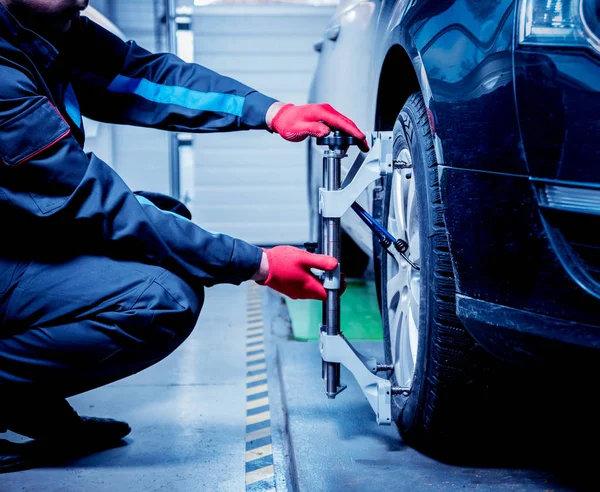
x=260 y=474
x=257 y=453
x=255 y=338
x=258 y=367
x=259 y=434
x=254 y=348
x=261 y=402
x=259 y=417
x=263 y=478
x=255 y=390
x=255 y=357
x=256 y=377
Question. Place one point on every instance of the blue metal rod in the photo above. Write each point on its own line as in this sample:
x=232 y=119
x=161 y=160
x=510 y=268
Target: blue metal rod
x=377 y=229
x=385 y=238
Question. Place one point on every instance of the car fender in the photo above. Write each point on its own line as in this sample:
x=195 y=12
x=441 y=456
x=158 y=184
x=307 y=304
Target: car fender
x=397 y=35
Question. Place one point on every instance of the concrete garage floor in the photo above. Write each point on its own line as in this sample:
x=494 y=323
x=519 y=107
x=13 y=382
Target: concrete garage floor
x=189 y=416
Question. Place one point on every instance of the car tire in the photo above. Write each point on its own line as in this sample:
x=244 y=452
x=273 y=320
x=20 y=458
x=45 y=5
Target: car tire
x=451 y=374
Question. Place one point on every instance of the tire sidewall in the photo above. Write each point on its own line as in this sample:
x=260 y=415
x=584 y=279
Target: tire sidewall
x=406 y=408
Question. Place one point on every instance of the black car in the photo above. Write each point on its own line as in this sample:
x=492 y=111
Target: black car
x=495 y=111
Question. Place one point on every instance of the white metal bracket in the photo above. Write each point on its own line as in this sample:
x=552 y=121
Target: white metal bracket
x=335 y=348
x=366 y=169
x=332 y=205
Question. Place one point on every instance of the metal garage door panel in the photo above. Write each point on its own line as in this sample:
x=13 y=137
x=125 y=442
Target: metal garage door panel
x=260 y=43
x=232 y=214
x=132 y=14
x=252 y=184
x=141 y=159
x=238 y=140
x=247 y=20
x=227 y=62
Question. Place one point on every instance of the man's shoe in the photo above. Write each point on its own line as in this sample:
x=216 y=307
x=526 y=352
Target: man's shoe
x=89 y=436
x=16 y=456
x=57 y=431
x=94 y=429
x=74 y=432
x=50 y=418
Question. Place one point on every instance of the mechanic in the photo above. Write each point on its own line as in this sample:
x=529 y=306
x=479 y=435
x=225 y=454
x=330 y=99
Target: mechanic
x=98 y=282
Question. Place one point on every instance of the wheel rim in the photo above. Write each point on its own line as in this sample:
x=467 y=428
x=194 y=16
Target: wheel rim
x=403 y=282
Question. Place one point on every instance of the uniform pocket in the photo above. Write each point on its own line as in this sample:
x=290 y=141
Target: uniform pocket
x=28 y=134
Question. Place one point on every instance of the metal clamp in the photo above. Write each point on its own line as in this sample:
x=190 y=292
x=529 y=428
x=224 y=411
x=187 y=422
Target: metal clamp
x=335 y=199
x=366 y=169
x=331 y=279
x=378 y=391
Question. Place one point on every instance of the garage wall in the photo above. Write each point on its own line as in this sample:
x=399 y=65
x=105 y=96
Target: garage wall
x=247 y=184
x=139 y=155
x=252 y=184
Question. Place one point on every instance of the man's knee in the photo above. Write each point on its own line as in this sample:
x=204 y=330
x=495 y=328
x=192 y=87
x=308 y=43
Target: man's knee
x=185 y=304
x=165 y=312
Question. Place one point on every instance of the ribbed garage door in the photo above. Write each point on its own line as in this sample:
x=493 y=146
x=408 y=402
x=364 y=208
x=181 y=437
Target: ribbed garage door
x=252 y=184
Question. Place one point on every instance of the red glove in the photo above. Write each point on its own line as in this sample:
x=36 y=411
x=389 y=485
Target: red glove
x=289 y=272
x=295 y=123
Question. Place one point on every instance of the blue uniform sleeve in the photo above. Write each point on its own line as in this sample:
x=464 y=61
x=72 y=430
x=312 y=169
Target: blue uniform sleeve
x=121 y=82
x=57 y=200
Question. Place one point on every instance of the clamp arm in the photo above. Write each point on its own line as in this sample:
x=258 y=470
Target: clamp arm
x=365 y=170
x=335 y=348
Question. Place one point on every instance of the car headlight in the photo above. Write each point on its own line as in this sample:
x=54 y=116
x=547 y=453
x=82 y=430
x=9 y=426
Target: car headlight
x=560 y=23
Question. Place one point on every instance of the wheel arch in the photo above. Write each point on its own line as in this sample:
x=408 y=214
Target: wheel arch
x=391 y=94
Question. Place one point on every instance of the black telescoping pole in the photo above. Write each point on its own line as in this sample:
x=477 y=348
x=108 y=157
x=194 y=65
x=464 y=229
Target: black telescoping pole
x=338 y=144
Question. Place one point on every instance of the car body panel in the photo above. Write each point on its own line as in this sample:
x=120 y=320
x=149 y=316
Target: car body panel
x=508 y=121
x=345 y=58
x=512 y=263
x=466 y=51
x=559 y=101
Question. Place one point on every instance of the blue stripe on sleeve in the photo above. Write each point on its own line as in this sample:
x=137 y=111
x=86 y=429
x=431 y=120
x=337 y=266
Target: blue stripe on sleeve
x=144 y=201
x=72 y=105
x=170 y=94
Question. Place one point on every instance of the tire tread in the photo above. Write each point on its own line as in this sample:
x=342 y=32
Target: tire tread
x=454 y=375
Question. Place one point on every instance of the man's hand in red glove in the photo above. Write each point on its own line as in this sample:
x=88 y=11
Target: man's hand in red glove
x=295 y=123
x=287 y=270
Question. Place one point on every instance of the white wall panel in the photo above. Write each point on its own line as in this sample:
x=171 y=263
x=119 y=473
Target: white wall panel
x=139 y=155
x=252 y=184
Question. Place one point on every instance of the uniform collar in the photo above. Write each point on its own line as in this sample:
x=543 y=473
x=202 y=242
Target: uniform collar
x=43 y=52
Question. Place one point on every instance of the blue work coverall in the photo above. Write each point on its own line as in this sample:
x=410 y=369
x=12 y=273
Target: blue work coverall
x=98 y=282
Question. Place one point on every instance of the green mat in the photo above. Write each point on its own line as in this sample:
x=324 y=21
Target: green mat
x=360 y=314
